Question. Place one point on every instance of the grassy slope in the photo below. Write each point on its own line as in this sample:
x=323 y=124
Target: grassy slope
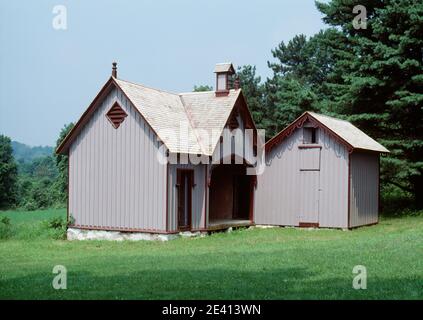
x=279 y=263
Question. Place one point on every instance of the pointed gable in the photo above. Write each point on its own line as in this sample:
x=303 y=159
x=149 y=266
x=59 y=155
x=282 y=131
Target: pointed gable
x=345 y=131
x=201 y=115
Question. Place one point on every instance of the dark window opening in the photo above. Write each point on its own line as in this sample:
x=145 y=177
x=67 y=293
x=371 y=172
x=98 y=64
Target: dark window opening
x=310 y=135
x=233 y=123
x=313 y=135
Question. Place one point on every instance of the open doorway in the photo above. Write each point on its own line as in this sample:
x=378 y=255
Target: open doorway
x=230 y=196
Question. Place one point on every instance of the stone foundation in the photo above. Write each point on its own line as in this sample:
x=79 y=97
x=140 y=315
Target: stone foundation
x=82 y=234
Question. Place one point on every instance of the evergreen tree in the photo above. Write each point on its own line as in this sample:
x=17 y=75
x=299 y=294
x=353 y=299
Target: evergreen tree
x=301 y=71
x=253 y=91
x=292 y=99
x=383 y=82
x=8 y=173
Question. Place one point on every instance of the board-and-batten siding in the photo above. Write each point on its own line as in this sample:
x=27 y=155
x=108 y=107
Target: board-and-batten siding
x=198 y=196
x=333 y=197
x=115 y=180
x=279 y=198
x=241 y=144
x=364 y=188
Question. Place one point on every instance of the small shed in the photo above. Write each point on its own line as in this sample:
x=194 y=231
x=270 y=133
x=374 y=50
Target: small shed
x=320 y=172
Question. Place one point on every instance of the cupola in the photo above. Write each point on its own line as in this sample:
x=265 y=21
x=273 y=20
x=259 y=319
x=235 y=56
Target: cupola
x=223 y=73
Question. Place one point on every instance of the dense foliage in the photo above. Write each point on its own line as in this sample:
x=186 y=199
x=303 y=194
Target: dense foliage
x=382 y=87
x=372 y=77
x=61 y=184
x=36 y=183
x=202 y=88
x=8 y=173
x=37 y=180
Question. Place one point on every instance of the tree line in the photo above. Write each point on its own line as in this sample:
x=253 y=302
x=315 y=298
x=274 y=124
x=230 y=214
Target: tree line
x=371 y=77
x=32 y=182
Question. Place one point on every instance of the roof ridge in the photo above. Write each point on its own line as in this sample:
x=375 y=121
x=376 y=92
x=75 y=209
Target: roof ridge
x=331 y=117
x=195 y=92
x=203 y=92
x=148 y=87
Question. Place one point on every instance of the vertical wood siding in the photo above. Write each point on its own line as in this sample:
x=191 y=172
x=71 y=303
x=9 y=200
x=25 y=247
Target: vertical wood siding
x=198 y=196
x=309 y=189
x=309 y=159
x=364 y=189
x=244 y=142
x=279 y=197
x=333 y=196
x=115 y=180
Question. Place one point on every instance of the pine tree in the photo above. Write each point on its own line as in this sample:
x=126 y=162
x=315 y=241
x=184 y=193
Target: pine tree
x=383 y=82
x=253 y=91
x=301 y=71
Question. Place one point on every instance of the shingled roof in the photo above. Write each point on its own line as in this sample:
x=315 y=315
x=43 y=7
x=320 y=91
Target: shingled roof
x=352 y=136
x=202 y=114
x=350 y=133
x=224 y=67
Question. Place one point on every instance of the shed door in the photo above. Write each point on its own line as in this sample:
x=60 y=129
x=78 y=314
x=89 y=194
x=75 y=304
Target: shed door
x=185 y=183
x=309 y=186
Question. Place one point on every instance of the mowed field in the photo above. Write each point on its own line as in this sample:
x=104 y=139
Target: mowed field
x=277 y=263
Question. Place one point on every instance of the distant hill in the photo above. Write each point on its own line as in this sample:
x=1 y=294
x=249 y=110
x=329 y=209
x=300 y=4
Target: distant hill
x=25 y=153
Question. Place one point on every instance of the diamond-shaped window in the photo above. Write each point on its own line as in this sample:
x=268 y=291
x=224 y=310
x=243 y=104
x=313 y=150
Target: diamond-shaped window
x=116 y=115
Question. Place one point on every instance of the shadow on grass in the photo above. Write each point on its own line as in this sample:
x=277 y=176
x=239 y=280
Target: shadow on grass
x=286 y=283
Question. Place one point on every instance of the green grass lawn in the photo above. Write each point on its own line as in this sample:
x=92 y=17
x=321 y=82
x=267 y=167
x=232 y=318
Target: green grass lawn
x=278 y=263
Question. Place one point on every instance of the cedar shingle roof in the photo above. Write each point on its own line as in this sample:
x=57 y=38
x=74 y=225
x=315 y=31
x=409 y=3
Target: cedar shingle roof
x=208 y=115
x=346 y=131
x=202 y=114
x=224 y=67
x=350 y=133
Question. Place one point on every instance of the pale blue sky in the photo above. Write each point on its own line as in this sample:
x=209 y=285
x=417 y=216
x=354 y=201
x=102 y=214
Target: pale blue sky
x=48 y=77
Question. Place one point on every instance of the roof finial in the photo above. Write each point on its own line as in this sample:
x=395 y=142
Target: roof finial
x=114 y=70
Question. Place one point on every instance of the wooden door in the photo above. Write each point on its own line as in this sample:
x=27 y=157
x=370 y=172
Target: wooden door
x=185 y=182
x=309 y=206
x=309 y=177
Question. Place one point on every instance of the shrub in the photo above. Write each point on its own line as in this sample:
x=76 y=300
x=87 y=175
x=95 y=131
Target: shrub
x=30 y=205
x=395 y=201
x=5 y=228
x=57 y=226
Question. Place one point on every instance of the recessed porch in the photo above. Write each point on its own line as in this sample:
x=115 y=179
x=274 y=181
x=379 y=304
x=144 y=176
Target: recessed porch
x=231 y=197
